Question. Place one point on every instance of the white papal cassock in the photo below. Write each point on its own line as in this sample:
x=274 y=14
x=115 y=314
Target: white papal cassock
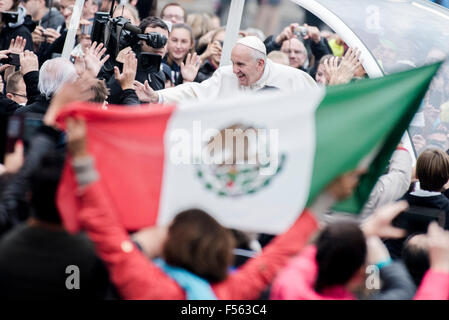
x=224 y=84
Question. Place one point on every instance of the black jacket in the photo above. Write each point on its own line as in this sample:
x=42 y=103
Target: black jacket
x=35 y=100
x=128 y=97
x=13 y=201
x=34 y=263
x=206 y=71
x=437 y=202
x=23 y=28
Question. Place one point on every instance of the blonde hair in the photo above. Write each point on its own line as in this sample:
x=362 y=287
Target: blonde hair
x=200 y=24
x=279 y=57
x=131 y=9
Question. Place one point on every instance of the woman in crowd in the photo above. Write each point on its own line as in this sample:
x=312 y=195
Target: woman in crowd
x=10 y=30
x=180 y=50
x=335 y=266
x=212 y=55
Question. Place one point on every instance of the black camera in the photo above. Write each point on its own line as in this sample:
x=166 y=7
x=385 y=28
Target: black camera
x=13 y=59
x=119 y=33
x=10 y=17
x=154 y=39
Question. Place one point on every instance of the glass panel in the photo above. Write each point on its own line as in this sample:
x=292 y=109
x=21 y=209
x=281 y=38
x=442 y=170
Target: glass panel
x=402 y=34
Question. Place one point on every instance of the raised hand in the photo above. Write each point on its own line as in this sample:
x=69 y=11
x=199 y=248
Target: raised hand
x=313 y=33
x=28 y=62
x=379 y=223
x=80 y=90
x=17 y=45
x=343 y=186
x=213 y=48
x=4 y=55
x=438 y=242
x=127 y=77
x=145 y=93
x=189 y=70
x=346 y=69
x=14 y=161
x=287 y=33
x=93 y=58
x=38 y=35
x=51 y=35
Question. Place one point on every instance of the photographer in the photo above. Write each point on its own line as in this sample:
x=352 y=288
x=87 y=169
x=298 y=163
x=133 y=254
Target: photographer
x=49 y=21
x=153 y=75
x=13 y=25
x=29 y=70
x=304 y=46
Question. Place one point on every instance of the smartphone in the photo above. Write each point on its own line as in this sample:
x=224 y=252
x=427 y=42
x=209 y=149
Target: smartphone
x=22 y=127
x=14 y=132
x=10 y=17
x=416 y=219
x=13 y=59
x=149 y=62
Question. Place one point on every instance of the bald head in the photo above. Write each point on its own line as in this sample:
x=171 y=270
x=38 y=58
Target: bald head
x=248 y=64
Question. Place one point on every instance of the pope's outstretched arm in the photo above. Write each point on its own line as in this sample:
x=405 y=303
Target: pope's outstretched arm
x=181 y=93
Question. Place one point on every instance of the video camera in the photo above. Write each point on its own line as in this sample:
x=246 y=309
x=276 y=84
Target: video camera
x=119 y=33
x=10 y=17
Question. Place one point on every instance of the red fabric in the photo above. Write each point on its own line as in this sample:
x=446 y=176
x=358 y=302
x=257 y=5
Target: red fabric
x=130 y=137
x=434 y=286
x=297 y=280
x=135 y=277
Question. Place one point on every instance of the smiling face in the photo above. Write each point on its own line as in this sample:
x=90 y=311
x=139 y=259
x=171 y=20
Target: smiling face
x=247 y=69
x=297 y=53
x=179 y=44
x=66 y=8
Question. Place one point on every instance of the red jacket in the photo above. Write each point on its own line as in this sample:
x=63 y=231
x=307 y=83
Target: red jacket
x=136 y=277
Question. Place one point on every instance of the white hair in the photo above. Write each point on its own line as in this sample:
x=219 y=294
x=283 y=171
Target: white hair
x=53 y=74
x=257 y=55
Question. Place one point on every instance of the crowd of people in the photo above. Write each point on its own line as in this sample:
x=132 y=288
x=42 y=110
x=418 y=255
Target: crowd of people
x=321 y=256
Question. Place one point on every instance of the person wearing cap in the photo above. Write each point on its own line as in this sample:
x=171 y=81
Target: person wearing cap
x=250 y=71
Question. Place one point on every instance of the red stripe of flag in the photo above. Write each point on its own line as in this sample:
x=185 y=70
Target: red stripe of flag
x=128 y=146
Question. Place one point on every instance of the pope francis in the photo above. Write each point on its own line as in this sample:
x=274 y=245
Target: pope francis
x=250 y=71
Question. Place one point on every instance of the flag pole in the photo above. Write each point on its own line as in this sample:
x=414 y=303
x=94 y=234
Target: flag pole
x=72 y=28
x=232 y=30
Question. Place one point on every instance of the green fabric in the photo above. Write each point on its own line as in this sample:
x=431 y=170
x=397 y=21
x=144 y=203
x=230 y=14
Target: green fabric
x=355 y=118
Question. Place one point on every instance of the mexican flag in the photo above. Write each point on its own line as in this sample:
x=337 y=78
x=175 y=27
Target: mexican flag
x=253 y=161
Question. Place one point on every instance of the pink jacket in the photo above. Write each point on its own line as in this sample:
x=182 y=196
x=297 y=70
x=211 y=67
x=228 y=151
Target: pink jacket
x=297 y=281
x=136 y=277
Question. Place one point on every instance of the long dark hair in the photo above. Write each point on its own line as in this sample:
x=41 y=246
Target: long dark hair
x=341 y=251
x=198 y=243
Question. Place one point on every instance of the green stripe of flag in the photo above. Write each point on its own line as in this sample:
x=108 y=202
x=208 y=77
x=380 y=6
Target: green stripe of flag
x=354 y=119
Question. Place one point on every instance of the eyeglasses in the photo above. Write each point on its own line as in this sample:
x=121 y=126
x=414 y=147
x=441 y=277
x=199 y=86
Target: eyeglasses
x=18 y=94
x=173 y=16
